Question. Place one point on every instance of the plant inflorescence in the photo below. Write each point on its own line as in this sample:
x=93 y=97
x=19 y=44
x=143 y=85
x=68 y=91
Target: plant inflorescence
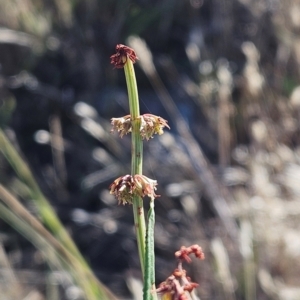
x=131 y=189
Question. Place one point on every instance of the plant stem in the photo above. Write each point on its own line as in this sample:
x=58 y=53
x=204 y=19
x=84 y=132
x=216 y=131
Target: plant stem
x=136 y=158
x=149 y=278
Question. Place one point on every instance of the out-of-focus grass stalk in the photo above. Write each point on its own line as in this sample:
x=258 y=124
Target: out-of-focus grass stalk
x=49 y=252
x=20 y=218
x=9 y=285
x=47 y=213
x=246 y=247
x=223 y=269
x=136 y=158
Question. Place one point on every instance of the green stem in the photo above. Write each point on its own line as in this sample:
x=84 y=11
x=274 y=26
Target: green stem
x=149 y=278
x=136 y=158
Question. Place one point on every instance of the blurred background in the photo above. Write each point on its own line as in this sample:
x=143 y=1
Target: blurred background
x=224 y=73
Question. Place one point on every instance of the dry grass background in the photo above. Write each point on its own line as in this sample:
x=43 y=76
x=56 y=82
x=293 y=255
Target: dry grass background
x=228 y=171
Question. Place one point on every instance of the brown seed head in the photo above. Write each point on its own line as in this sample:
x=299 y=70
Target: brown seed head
x=123 y=52
x=126 y=187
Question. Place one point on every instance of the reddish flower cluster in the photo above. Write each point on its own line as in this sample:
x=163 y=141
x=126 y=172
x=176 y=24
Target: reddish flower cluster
x=126 y=187
x=184 y=252
x=173 y=289
x=176 y=285
x=122 y=54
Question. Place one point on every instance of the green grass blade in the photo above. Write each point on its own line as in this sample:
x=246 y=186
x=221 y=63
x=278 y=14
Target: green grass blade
x=149 y=276
x=28 y=225
x=48 y=215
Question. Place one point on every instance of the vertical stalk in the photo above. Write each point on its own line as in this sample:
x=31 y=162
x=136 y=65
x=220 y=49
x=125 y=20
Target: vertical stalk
x=136 y=158
x=149 y=278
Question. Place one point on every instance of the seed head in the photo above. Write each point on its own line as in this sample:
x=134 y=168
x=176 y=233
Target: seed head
x=122 y=125
x=123 y=52
x=150 y=125
x=126 y=187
